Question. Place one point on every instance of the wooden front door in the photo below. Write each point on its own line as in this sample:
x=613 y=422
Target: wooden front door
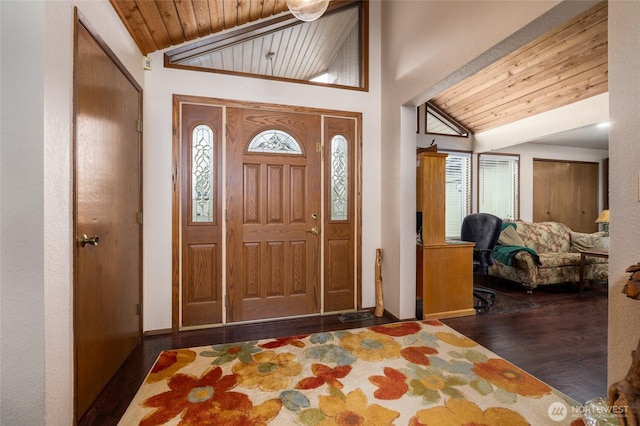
x=274 y=222
x=107 y=204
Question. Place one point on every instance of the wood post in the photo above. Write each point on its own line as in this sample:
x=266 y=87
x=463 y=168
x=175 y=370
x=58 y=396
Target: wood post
x=379 y=300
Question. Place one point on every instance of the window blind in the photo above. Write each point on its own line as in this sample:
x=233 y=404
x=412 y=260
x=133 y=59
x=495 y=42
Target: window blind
x=498 y=185
x=458 y=192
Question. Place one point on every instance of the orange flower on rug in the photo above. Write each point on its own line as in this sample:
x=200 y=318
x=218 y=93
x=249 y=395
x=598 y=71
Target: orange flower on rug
x=409 y=373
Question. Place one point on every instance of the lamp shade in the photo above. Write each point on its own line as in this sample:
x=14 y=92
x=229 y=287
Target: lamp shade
x=604 y=217
x=307 y=10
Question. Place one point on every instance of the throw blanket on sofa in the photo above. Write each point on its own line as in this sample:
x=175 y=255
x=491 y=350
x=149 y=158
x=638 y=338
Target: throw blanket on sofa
x=505 y=254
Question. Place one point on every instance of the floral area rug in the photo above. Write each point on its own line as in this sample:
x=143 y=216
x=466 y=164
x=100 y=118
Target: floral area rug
x=408 y=373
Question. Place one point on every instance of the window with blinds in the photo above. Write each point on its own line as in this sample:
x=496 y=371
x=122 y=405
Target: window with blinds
x=458 y=191
x=498 y=185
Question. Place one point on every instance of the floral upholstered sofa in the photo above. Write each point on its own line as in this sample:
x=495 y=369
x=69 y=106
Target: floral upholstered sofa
x=544 y=253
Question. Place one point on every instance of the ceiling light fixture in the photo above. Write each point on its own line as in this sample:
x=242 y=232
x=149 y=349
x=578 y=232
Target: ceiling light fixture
x=307 y=10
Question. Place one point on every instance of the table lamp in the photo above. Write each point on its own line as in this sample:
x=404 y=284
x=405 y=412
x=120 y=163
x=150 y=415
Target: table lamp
x=604 y=218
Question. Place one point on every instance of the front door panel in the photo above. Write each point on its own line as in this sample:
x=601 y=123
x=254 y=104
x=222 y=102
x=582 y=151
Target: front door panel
x=273 y=209
x=339 y=217
x=201 y=219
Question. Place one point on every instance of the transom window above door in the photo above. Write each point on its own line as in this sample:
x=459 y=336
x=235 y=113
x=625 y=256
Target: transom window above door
x=330 y=51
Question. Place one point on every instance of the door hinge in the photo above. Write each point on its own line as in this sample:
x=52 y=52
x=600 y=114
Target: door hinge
x=139 y=126
x=139 y=309
x=139 y=218
x=319 y=148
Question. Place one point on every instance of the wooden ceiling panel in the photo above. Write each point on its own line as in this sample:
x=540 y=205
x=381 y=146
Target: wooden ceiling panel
x=133 y=19
x=158 y=24
x=216 y=14
x=152 y=14
x=561 y=67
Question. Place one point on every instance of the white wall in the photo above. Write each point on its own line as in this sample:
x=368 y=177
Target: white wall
x=36 y=198
x=22 y=277
x=624 y=149
x=161 y=83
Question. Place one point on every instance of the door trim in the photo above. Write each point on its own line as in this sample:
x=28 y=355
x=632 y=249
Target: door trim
x=177 y=101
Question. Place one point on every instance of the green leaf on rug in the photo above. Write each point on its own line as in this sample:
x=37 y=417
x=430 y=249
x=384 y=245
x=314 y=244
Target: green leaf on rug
x=311 y=417
x=483 y=387
x=294 y=400
x=474 y=356
x=505 y=397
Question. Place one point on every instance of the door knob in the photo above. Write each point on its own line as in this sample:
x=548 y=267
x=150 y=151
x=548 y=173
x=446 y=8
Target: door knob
x=315 y=230
x=89 y=240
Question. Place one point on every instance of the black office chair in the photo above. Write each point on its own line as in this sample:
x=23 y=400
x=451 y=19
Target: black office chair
x=484 y=230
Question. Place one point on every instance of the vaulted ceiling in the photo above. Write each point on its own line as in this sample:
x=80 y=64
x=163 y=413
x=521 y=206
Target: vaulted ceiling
x=561 y=67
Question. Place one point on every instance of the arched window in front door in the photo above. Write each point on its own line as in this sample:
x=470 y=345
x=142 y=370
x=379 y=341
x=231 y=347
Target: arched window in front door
x=274 y=141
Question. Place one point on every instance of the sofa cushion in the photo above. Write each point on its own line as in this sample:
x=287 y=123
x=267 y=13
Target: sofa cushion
x=581 y=242
x=509 y=237
x=554 y=260
x=545 y=237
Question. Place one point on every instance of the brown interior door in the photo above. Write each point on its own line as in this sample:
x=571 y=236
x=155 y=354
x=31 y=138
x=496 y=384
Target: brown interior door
x=339 y=217
x=201 y=214
x=566 y=192
x=107 y=191
x=273 y=214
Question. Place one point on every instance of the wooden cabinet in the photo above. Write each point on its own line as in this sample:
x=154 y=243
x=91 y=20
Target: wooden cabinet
x=447 y=282
x=444 y=269
x=432 y=192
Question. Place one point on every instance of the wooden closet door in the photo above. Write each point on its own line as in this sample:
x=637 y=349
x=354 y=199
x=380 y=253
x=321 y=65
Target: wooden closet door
x=566 y=192
x=107 y=204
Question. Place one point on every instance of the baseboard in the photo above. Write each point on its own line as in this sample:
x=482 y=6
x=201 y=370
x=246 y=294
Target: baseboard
x=157 y=332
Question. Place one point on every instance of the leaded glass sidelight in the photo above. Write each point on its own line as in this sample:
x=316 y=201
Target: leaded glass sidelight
x=275 y=141
x=202 y=174
x=339 y=178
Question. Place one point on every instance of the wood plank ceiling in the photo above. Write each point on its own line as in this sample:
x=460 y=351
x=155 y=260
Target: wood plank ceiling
x=158 y=24
x=563 y=66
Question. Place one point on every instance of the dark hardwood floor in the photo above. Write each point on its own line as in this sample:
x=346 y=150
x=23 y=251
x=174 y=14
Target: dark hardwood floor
x=563 y=342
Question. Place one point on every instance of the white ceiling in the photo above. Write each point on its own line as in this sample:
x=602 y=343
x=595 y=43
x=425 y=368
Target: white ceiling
x=595 y=136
